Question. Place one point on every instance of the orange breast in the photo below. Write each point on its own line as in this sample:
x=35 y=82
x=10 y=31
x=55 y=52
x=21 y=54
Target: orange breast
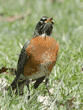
x=41 y=51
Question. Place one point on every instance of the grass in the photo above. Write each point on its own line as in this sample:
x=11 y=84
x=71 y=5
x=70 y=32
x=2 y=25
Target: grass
x=66 y=78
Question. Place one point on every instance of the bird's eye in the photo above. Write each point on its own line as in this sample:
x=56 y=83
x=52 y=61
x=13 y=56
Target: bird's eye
x=42 y=20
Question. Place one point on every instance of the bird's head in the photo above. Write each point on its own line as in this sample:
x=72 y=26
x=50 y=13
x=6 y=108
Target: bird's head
x=44 y=26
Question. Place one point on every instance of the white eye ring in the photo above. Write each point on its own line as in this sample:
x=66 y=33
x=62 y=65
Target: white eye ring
x=41 y=21
x=43 y=18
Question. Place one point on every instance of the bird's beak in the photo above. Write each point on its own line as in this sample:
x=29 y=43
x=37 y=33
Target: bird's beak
x=50 y=20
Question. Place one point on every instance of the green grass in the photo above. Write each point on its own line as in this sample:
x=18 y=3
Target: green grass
x=68 y=32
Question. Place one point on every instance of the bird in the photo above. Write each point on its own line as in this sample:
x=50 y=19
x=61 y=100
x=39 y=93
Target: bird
x=37 y=57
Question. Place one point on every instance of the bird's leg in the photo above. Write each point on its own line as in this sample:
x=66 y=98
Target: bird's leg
x=38 y=82
x=27 y=83
x=20 y=85
x=46 y=84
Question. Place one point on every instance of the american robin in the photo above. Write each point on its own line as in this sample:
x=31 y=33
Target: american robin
x=37 y=58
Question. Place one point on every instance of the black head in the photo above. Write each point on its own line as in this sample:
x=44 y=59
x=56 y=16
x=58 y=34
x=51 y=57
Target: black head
x=44 y=26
